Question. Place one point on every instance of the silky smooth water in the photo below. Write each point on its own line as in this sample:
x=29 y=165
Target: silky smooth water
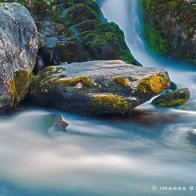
x=130 y=155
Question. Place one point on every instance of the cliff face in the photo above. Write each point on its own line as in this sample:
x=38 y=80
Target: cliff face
x=170 y=28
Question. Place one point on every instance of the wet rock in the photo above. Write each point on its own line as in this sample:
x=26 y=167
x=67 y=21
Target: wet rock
x=18 y=49
x=97 y=87
x=170 y=28
x=174 y=98
x=56 y=121
x=60 y=123
x=76 y=31
x=173 y=86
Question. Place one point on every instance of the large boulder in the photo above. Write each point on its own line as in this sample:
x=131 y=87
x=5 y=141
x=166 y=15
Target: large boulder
x=97 y=87
x=18 y=49
x=170 y=28
x=76 y=31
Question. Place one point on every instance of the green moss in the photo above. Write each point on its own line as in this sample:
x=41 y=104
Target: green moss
x=121 y=81
x=161 y=19
x=12 y=92
x=22 y=80
x=170 y=103
x=175 y=98
x=46 y=69
x=86 y=81
x=111 y=103
x=155 y=40
x=154 y=84
x=19 y=86
x=105 y=41
x=80 y=12
x=87 y=33
x=172 y=4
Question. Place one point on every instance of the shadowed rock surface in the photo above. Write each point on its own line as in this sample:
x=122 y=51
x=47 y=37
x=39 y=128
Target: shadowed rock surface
x=76 y=31
x=97 y=87
x=18 y=50
x=170 y=28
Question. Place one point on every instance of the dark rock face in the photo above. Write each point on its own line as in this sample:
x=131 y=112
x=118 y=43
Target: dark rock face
x=76 y=31
x=174 y=98
x=18 y=50
x=97 y=87
x=170 y=28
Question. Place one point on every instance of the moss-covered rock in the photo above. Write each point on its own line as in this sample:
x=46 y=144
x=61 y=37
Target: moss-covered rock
x=174 y=98
x=76 y=31
x=155 y=84
x=97 y=87
x=18 y=43
x=170 y=28
x=110 y=103
x=21 y=80
x=120 y=80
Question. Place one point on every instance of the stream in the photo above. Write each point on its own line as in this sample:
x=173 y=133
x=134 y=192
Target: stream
x=150 y=152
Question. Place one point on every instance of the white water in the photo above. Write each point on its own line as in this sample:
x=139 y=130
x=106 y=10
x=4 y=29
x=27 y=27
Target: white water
x=153 y=147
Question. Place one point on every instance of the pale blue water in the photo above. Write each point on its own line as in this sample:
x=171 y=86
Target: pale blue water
x=109 y=156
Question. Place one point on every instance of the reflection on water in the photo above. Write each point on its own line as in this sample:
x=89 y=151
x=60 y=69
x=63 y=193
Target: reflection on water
x=110 y=156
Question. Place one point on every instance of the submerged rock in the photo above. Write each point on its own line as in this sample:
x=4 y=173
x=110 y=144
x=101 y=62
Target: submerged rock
x=97 y=87
x=56 y=121
x=76 y=31
x=174 y=98
x=18 y=49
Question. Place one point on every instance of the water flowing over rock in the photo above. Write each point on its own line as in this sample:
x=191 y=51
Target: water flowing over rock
x=18 y=49
x=97 y=87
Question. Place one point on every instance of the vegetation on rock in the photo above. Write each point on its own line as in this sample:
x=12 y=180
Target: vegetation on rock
x=155 y=84
x=174 y=98
x=75 y=31
x=110 y=103
x=170 y=28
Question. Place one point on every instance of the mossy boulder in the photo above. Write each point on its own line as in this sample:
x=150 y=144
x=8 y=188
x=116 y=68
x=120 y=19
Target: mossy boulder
x=76 y=31
x=18 y=50
x=170 y=28
x=97 y=87
x=174 y=98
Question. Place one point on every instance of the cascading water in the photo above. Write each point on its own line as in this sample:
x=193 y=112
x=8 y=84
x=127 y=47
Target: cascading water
x=152 y=147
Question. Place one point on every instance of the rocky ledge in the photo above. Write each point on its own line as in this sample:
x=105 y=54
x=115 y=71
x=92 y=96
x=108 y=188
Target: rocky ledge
x=97 y=87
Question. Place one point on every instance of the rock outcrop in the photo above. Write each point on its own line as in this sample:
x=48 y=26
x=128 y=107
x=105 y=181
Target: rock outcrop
x=97 y=87
x=76 y=31
x=173 y=98
x=18 y=50
x=170 y=28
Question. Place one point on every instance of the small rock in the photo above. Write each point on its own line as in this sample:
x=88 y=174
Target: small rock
x=174 y=98
x=60 y=123
x=56 y=121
